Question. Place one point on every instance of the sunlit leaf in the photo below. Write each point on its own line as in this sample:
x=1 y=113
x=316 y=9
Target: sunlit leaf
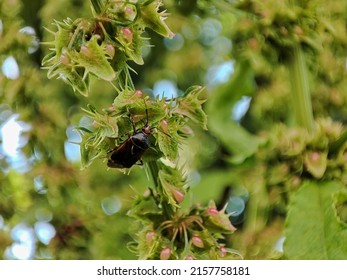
x=313 y=230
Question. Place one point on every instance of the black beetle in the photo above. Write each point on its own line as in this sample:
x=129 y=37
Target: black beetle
x=131 y=150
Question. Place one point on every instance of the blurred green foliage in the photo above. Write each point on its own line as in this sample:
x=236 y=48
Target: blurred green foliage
x=263 y=158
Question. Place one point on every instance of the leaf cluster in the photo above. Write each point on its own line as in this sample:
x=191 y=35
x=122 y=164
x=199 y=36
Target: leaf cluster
x=101 y=45
x=130 y=111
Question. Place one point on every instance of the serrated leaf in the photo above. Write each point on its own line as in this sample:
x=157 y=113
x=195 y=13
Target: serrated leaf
x=145 y=209
x=70 y=76
x=172 y=181
x=190 y=106
x=154 y=20
x=94 y=59
x=313 y=230
x=168 y=146
x=62 y=37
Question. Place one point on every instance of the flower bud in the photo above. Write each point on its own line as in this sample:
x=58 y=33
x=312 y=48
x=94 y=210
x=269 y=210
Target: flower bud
x=64 y=59
x=222 y=252
x=197 y=241
x=219 y=219
x=212 y=212
x=189 y=257
x=178 y=195
x=150 y=236
x=165 y=253
x=127 y=34
x=85 y=50
x=110 y=50
x=130 y=12
x=139 y=93
x=164 y=126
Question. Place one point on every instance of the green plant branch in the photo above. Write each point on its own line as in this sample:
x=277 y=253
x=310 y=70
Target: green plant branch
x=300 y=89
x=154 y=173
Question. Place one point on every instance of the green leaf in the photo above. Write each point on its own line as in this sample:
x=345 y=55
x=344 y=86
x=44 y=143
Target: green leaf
x=313 y=230
x=172 y=181
x=155 y=20
x=94 y=59
x=190 y=106
x=145 y=209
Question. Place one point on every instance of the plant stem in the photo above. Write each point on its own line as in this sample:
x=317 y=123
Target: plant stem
x=97 y=6
x=154 y=171
x=300 y=89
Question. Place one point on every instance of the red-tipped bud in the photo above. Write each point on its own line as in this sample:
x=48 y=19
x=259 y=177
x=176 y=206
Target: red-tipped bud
x=164 y=126
x=165 y=253
x=212 y=212
x=189 y=258
x=130 y=12
x=178 y=195
x=64 y=59
x=219 y=219
x=85 y=50
x=222 y=252
x=197 y=241
x=150 y=236
x=138 y=93
x=110 y=50
x=127 y=34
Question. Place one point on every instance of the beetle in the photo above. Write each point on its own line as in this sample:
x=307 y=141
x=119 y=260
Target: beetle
x=132 y=149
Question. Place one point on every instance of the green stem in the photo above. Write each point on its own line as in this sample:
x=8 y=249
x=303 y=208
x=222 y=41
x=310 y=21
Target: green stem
x=154 y=172
x=300 y=89
x=97 y=6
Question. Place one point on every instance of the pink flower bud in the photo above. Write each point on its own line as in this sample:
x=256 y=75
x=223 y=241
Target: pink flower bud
x=212 y=211
x=138 y=93
x=222 y=252
x=197 y=241
x=189 y=257
x=219 y=219
x=85 y=50
x=64 y=59
x=129 y=13
x=127 y=34
x=164 y=126
x=165 y=253
x=178 y=195
x=150 y=236
x=110 y=50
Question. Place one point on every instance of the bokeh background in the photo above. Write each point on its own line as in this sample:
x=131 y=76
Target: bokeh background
x=51 y=209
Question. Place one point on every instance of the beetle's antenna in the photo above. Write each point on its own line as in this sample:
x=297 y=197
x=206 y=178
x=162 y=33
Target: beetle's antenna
x=133 y=123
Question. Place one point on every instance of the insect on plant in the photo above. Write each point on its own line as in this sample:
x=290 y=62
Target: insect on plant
x=131 y=150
